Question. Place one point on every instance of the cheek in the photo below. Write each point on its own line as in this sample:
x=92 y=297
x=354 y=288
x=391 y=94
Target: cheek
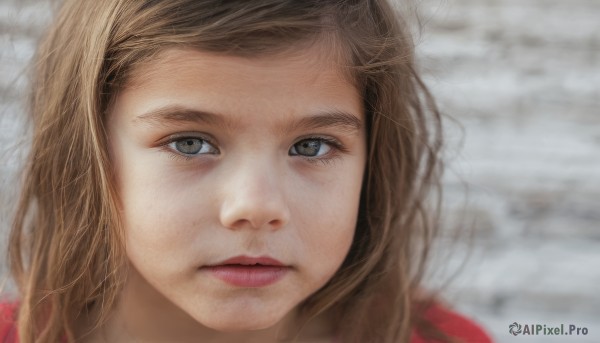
x=160 y=216
x=326 y=216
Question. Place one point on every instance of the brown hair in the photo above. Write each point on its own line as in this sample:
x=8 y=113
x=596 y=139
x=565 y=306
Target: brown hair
x=66 y=247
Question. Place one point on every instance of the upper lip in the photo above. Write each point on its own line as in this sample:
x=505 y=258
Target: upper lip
x=247 y=260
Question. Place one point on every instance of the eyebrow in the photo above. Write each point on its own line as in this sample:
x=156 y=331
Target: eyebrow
x=175 y=114
x=336 y=119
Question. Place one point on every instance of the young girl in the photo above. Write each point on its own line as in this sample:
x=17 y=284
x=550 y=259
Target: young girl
x=227 y=171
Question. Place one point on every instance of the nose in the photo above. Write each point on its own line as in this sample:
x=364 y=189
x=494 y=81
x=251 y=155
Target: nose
x=254 y=197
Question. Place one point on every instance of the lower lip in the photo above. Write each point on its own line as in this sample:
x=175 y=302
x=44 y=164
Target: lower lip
x=248 y=276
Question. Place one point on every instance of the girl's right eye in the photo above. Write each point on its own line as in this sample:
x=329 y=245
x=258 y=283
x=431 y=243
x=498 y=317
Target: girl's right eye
x=191 y=146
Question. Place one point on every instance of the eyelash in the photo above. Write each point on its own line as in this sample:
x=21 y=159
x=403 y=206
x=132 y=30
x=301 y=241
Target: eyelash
x=336 y=146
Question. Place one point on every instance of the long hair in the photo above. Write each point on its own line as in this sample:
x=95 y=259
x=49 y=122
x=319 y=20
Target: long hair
x=66 y=245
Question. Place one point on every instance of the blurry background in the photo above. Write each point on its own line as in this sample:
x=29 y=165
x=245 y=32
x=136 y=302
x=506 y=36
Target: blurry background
x=522 y=79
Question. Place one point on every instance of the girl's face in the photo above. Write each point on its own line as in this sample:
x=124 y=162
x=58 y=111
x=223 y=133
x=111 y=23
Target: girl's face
x=219 y=156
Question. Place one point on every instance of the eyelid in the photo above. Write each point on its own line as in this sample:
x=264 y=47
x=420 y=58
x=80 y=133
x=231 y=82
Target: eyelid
x=334 y=142
x=186 y=135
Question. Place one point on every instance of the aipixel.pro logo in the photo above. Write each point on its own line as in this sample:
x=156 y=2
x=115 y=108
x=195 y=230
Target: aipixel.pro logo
x=514 y=328
x=545 y=330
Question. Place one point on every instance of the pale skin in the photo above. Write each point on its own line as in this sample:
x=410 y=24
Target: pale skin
x=260 y=156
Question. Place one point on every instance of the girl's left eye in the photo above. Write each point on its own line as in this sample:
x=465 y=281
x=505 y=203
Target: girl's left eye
x=192 y=146
x=312 y=147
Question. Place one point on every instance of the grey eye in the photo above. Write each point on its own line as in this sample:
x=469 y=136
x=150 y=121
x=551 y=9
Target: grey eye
x=189 y=146
x=310 y=148
x=193 y=146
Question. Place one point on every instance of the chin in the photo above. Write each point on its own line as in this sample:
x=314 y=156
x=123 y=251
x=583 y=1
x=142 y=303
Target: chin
x=240 y=324
x=241 y=321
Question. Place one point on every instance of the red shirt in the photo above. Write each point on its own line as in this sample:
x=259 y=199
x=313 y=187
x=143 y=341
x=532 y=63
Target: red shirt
x=8 y=330
x=453 y=324
x=446 y=320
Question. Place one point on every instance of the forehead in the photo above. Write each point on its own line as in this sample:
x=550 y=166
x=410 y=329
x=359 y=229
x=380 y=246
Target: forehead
x=301 y=80
x=324 y=56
